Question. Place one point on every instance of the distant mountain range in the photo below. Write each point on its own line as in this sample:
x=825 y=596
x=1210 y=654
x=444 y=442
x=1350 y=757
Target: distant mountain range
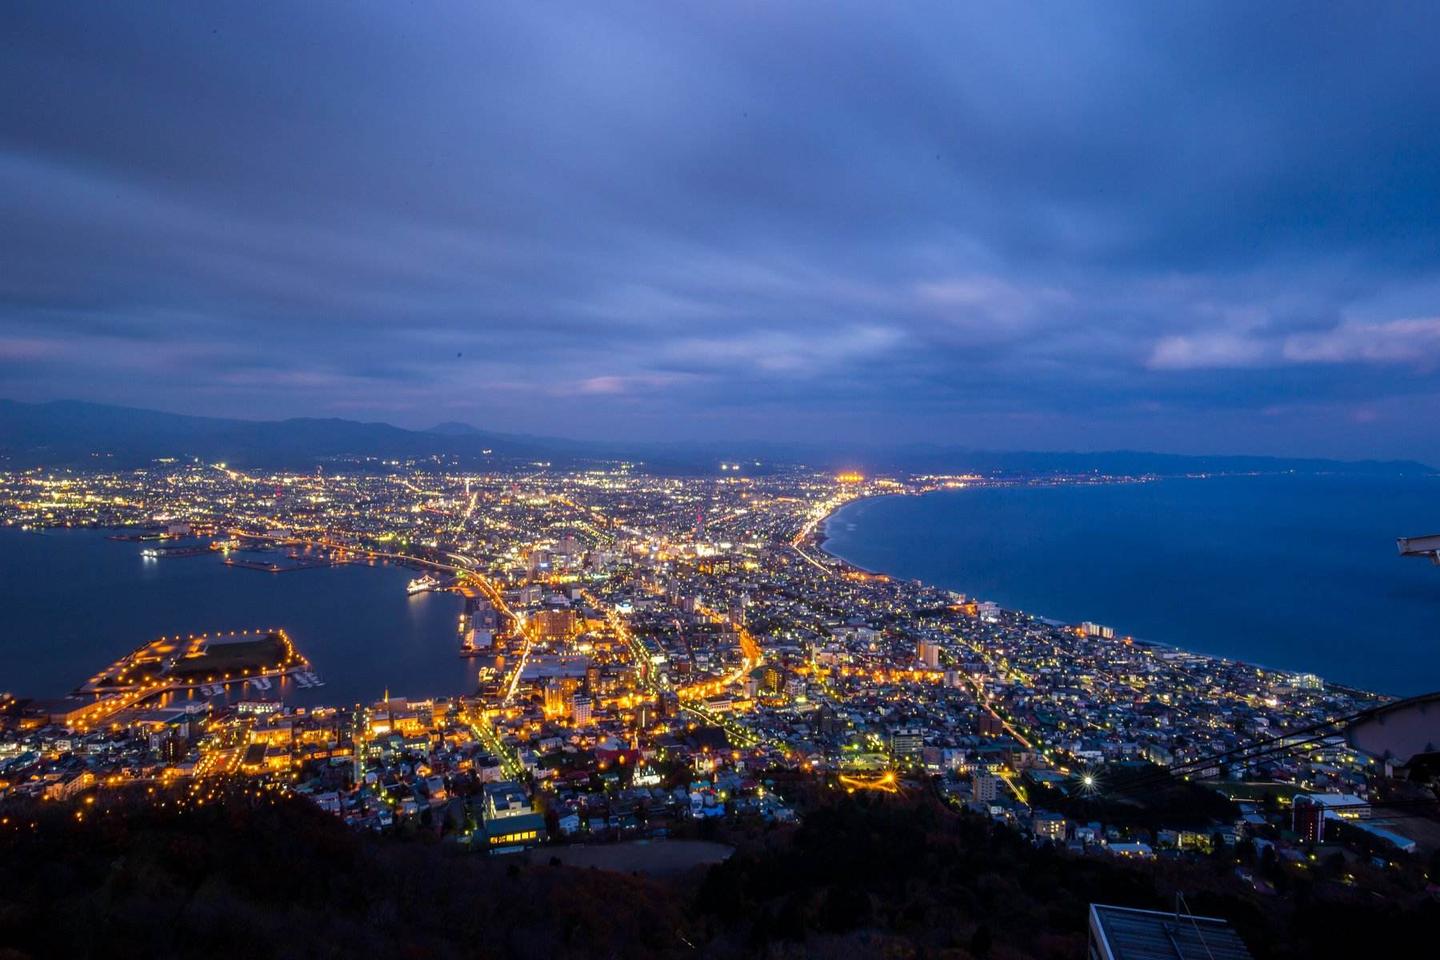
x=76 y=434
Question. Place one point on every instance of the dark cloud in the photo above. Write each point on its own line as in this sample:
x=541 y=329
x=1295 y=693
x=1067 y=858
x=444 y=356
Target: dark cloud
x=1202 y=227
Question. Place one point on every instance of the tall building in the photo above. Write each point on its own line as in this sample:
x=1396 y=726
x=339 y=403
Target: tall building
x=985 y=787
x=554 y=699
x=928 y=653
x=1308 y=820
x=907 y=742
x=1311 y=810
x=581 y=707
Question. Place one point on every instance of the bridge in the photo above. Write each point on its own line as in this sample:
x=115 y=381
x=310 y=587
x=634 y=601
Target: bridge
x=1420 y=547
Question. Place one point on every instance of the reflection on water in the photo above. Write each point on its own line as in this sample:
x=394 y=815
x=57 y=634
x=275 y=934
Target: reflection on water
x=1293 y=572
x=72 y=601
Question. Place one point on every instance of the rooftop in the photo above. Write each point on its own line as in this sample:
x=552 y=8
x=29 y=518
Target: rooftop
x=1124 y=933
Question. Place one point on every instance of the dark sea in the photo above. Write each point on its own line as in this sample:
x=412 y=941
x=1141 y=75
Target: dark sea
x=1294 y=572
x=72 y=602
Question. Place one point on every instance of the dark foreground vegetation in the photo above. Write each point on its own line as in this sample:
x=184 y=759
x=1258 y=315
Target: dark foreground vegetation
x=257 y=876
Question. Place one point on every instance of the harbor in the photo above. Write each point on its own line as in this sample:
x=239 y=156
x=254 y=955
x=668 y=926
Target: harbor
x=354 y=622
x=171 y=665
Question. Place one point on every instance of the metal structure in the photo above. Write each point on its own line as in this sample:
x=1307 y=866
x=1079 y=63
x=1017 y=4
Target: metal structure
x=1428 y=546
x=1398 y=732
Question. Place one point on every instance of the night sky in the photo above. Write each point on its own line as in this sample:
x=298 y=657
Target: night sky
x=1193 y=227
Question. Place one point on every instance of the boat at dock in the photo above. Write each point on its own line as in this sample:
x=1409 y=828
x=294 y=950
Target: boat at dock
x=422 y=584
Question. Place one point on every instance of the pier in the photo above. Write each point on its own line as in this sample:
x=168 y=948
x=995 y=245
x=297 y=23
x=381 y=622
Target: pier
x=173 y=664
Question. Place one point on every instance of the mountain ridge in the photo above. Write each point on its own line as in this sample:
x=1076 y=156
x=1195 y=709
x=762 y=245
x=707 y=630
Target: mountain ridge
x=75 y=433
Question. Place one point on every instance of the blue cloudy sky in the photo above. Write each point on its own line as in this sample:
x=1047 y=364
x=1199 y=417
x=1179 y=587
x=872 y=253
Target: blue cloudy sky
x=1207 y=227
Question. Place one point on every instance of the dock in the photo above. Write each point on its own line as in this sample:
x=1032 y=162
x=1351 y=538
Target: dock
x=172 y=664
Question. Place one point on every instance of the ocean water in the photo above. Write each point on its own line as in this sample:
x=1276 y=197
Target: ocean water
x=1298 y=573
x=72 y=602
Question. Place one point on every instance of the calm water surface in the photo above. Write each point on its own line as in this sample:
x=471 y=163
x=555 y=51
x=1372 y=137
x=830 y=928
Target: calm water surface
x=1299 y=573
x=72 y=602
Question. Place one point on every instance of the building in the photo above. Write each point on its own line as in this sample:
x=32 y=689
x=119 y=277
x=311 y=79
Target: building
x=985 y=787
x=1097 y=630
x=69 y=786
x=557 y=623
x=511 y=823
x=928 y=654
x=582 y=708
x=1311 y=810
x=1124 y=933
x=765 y=680
x=68 y=712
x=480 y=625
x=554 y=699
x=1049 y=826
x=1346 y=806
x=1308 y=820
x=907 y=742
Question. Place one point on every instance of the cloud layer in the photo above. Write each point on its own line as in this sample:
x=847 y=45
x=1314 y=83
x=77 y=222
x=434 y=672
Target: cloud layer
x=1208 y=228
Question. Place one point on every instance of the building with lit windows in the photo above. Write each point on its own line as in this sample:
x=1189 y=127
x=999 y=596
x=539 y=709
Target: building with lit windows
x=1049 y=826
x=581 y=707
x=511 y=823
x=554 y=624
x=907 y=742
x=986 y=787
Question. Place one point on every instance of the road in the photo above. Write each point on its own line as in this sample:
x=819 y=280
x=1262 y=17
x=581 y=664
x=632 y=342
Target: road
x=650 y=677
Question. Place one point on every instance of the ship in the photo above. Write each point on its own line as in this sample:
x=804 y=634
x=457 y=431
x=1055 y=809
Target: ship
x=422 y=584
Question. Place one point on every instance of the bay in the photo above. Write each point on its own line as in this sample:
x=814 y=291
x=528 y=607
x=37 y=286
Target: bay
x=73 y=601
x=1293 y=572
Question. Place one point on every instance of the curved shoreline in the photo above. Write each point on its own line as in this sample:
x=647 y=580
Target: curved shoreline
x=822 y=531
x=821 y=536
x=396 y=640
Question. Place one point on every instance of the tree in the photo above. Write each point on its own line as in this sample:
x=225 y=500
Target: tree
x=981 y=941
x=1245 y=850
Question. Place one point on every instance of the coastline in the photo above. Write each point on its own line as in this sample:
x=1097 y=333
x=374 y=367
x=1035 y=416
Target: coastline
x=820 y=537
x=371 y=635
x=822 y=530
